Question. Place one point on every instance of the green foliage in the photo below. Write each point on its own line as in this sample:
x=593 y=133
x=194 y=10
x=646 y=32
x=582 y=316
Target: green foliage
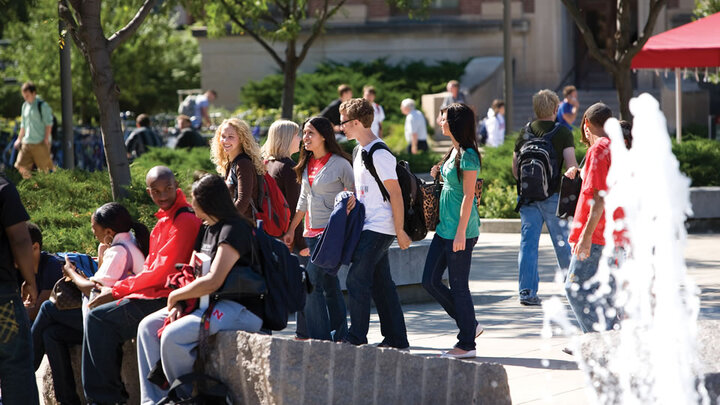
x=699 y=160
x=61 y=203
x=148 y=67
x=498 y=200
x=393 y=83
x=704 y=8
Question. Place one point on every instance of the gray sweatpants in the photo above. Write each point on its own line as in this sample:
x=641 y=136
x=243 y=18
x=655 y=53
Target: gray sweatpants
x=179 y=340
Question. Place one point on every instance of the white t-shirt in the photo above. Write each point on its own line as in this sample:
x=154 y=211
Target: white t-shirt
x=415 y=123
x=495 y=125
x=378 y=117
x=378 y=213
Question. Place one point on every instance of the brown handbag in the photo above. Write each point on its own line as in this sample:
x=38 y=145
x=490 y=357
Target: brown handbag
x=66 y=295
x=431 y=203
x=478 y=191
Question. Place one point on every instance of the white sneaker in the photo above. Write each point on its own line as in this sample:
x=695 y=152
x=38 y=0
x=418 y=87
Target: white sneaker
x=479 y=331
x=467 y=355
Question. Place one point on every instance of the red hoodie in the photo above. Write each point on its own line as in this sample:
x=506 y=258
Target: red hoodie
x=171 y=242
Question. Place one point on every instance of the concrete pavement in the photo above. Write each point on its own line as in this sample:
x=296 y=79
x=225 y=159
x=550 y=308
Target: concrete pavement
x=538 y=371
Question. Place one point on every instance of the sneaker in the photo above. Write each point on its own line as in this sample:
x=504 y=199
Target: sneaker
x=467 y=355
x=528 y=300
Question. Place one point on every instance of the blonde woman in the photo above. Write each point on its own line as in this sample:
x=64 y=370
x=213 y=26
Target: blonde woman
x=238 y=160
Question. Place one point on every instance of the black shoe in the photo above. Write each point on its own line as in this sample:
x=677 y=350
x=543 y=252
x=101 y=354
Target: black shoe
x=528 y=300
x=567 y=350
x=386 y=345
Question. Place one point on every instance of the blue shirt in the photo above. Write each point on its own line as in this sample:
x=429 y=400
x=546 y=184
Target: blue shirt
x=565 y=108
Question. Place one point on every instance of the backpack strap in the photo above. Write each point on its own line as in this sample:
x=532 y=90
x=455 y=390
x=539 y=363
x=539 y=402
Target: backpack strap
x=129 y=263
x=40 y=102
x=370 y=166
x=182 y=210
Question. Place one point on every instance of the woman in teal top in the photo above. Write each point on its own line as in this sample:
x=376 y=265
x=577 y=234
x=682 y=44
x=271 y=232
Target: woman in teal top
x=458 y=230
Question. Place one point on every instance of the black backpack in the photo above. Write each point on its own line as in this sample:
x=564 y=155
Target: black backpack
x=287 y=282
x=410 y=186
x=537 y=166
x=54 y=130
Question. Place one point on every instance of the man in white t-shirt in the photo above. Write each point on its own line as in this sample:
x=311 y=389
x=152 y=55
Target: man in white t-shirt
x=378 y=112
x=415 y=127
x=369 y=275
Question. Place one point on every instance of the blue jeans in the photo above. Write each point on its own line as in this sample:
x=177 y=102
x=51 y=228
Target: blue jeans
x=53 y=332
x=532 y=217
x=369 y=277
x=108 y=327
x=581 y=293
x=301 y=331
x=456 y=300
x=17 y=376
x=325 y=306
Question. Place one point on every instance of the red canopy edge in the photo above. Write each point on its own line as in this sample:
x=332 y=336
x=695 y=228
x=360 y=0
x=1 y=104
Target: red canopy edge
x=693 y=45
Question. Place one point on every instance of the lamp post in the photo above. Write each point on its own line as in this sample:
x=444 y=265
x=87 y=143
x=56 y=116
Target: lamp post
x=507 y=59
x=68 y=146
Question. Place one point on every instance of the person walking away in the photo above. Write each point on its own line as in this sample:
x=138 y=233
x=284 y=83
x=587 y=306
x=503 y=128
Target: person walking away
x=17 y=379
x=378 y=111
x=238 y=160
x=534 y=213
x=415 y=127
x=120 y=254
x=109 y=324
x=567 y=112
x=332 y=110
x=458 y=230
x=593 y=312
x=228 y=240
x=282 y=142
x=369 y=274
x=324 y=171
x=188 y=137
x=495 y=124
x=33 y=140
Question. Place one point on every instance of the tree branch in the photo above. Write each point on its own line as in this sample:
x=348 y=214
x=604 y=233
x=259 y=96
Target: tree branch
x=254 y=35
x=582 y=26
x=66 y=14
x=318 y=27
x=126 y=32
x=655 y=7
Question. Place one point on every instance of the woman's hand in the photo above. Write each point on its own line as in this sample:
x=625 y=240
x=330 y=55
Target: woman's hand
x=175 y=313
x=350 y=203
x=103 y=297
x=582 y=248
x=69 y=269
x=305 y=252
x=172 y=300
x=435 y=170
x=571 y=172
x=459 y=243
x=288 y=239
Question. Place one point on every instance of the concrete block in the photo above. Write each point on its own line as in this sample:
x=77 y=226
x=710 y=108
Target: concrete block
x=364 y=374
x=343 y=373
x=316 y=369
x=410 y=370
x=128 y=372
x=491 y=385
x=462 y=375
x=387 y=367
x=435 y=380
x=705 y=202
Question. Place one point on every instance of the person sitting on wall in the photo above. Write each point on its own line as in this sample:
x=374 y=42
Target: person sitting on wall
x=48 y=270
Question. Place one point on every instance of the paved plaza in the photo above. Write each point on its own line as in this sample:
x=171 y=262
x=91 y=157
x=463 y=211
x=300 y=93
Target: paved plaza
x=538 y=371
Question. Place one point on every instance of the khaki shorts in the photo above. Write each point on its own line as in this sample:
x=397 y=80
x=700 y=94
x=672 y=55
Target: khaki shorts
x=39 y=154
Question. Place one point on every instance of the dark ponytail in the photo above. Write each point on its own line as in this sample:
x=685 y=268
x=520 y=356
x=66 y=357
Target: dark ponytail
x=142 y=237
x=116 y=217
x=461 y=120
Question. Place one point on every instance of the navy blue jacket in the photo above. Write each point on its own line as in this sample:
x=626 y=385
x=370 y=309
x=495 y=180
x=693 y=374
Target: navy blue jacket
x=342 y=233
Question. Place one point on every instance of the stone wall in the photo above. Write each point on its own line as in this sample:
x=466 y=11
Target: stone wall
x=265 y=370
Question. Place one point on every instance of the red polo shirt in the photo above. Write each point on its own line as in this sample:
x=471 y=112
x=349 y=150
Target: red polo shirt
x=597 y=164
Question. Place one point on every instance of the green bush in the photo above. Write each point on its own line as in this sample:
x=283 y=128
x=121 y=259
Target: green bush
x=498 y=201
x=393 y=83
x=700 y=160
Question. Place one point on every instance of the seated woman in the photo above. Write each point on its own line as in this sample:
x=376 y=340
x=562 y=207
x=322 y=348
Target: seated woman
x=119 y=255
x=229 y=241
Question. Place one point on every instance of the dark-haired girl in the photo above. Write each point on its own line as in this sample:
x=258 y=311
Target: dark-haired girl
x=458 y=230
x=120 y=254
x=324 y=170
x=228 y=240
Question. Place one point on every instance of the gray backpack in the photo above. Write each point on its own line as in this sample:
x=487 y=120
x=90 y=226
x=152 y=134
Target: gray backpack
x=187 y=107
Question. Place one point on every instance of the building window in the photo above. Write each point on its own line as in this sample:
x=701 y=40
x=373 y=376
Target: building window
x=436 y=7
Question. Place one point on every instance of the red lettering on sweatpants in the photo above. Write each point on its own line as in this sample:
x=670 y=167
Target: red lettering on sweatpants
x=217 y=314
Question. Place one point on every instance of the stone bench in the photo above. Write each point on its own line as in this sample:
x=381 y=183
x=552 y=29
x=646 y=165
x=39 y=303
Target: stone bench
x=260 y=369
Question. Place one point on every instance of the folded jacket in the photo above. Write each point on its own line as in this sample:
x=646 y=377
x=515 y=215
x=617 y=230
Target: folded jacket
x=342 y=233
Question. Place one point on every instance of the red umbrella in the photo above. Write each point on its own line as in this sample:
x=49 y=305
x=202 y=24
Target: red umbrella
x=693 y=45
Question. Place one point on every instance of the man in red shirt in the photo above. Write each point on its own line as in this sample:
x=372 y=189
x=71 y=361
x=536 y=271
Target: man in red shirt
x=586 y=237
x=110 y=323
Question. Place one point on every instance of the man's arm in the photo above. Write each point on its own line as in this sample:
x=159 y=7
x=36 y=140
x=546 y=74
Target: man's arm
x=569 y=157
x=32 y=311
x=514 y=166
x=21 y=134
x=21 y=245
x=582 y=249
x=398 y=210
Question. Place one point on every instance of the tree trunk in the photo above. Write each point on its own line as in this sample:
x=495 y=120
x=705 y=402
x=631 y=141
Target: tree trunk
x=106 y=92
x=623 y=84
x=288 y=94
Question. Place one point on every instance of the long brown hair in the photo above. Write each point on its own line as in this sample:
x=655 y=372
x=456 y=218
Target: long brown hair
x=325 y=128
x=461 y=120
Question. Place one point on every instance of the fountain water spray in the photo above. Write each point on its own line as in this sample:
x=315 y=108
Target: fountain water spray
x=653 y=358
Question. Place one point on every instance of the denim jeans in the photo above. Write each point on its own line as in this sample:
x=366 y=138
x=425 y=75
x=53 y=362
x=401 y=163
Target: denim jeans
x=17 y=376
x=325 y=306
x=53 y=332
x=582 y=295
x=108 y=327
x=456 y=300
x=369 y=277
x=532 y=217
x=301 y=331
